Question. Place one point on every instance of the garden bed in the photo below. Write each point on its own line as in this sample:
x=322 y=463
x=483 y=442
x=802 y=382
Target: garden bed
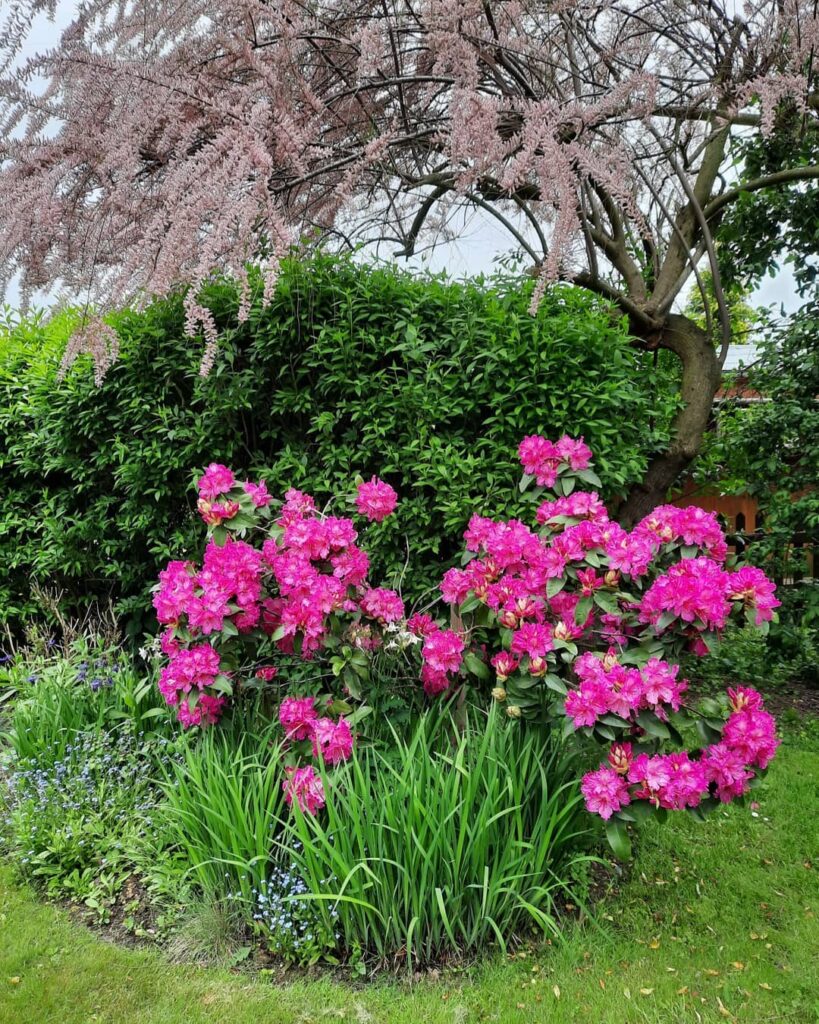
x=713 y=924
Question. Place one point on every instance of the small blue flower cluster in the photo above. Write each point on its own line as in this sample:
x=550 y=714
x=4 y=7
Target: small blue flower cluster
x=294 y=926
x=103 y=672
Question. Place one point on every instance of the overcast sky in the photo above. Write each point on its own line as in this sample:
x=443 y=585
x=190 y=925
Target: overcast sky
x=479 y=244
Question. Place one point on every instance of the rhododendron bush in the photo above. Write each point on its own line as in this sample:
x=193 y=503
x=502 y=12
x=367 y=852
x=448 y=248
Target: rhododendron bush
x=572 y=623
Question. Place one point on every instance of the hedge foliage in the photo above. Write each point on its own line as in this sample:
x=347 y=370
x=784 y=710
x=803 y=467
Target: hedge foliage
x=428 y=383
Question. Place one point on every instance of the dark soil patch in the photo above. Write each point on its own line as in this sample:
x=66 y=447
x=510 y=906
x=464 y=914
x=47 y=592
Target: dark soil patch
x=793 y=696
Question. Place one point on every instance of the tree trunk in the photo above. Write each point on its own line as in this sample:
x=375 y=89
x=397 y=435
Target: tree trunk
x=700 y=380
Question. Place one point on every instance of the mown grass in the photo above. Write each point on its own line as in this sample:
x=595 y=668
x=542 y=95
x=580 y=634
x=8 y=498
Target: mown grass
x=715 y=923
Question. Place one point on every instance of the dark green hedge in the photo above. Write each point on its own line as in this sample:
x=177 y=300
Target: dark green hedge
x=429 y=384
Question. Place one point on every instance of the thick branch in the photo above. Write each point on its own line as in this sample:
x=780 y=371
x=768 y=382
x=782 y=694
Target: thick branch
x=805 y=173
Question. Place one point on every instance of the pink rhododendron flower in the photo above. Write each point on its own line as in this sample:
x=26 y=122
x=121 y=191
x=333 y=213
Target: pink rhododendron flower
x=443 y=651
x=333 y=741
x=626 y=691
x=297 y=505
x=726 y=768
x=672 y=781
x=382 y=604
x=693 y=589
x=169 y=644
x=267 y=672
x=574 y=451
x=533 y=640
x=653 y=772
x=297 y=716
x=629 y=553
x=691 y=525
x=216 y=480
x=351 y=565
x=455 y=586
x=375 y=500
x=303 y=785
x=660 y=684
x=422 y=625
x=605 y=792
x=687 y=783
x=751 y=586
x=259 y=494
x=752 y=734
x=442 y=655
x=504 y=665
x=206 y=711
x=189 y=669
x=578 y=505
x=588 y=702
x=743 y=697
x=175 y=593
x=539 y=459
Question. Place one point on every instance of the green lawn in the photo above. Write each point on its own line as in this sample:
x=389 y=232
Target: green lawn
x=717 y=922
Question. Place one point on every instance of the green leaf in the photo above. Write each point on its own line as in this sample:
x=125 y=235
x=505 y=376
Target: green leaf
x=477 y=666
x=617 y=835
x=581 y=612
x=707 y=734
x=653 y=726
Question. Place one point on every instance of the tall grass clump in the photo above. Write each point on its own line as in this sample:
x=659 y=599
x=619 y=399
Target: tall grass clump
x=225 y=805
x=453 y=840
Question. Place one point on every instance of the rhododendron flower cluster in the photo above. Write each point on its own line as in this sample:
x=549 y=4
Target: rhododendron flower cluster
x=375 y=500
x=721 y=771
x=691 y=525
x=543 y=459
x=305 y=787
x=331 y=741
x=622 y=691
x=442 y=655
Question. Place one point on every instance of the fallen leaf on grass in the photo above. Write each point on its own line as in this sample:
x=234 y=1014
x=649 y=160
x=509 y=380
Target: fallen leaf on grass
x=724 y=1011
x=766 y=986
x=646 y=991
x=556 y=990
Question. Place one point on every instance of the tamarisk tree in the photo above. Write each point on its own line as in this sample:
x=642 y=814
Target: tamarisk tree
x=158 y=143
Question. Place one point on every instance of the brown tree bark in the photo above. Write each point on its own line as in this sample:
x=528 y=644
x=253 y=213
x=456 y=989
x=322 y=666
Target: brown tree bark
x=700 y=380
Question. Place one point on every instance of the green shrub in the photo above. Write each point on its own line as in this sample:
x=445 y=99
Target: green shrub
x=350 y=370
x=448 y=843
